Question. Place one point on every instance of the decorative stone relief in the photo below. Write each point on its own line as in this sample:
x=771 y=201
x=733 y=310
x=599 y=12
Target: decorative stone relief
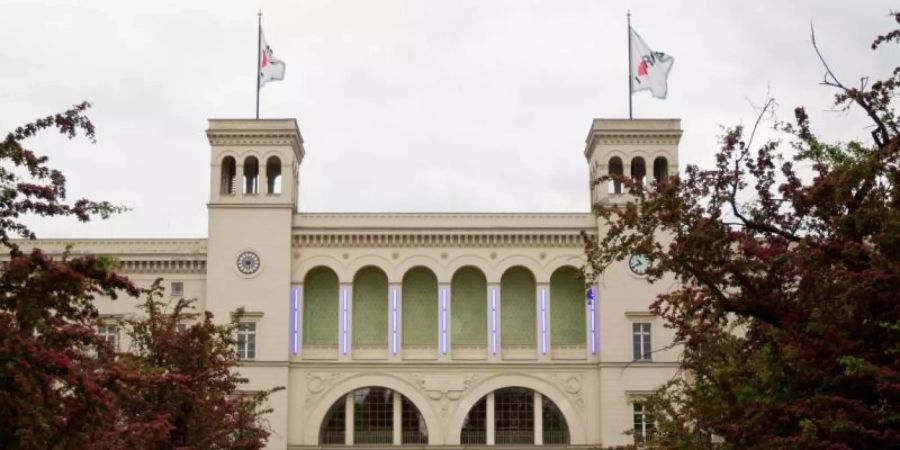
x=571 y=384
x=316 y=383
x=444 y=389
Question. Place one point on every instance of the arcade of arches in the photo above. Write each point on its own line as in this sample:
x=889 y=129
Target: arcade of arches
x=420 y=319
x=507 y=416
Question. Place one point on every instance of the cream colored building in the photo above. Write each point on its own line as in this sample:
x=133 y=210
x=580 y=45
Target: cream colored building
x=437 y=329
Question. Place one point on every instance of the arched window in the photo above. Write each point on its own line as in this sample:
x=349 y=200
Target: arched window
x=517 y=315
x=615 y=168
x=474 y=430
x=373 y=419
x=251 y=175
x=515 y=419
x=334 y=427
x=229 y=175
x=638 y=170
x=556 y=431
x=420 y=309
x=660 y=169
x=468 y=313
x=273 y=175
x=567 y=308
x=320 y=309
x=370 y=308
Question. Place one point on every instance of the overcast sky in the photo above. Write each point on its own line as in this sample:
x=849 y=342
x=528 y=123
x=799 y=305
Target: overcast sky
x=416 y=105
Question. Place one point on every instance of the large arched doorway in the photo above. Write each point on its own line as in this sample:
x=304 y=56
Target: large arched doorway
x=514 y=416
x=371 y=416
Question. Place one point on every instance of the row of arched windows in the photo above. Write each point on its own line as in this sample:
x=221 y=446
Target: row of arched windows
x=376 y=415
x=250 y=180
x=468 y=308
x=638 y=171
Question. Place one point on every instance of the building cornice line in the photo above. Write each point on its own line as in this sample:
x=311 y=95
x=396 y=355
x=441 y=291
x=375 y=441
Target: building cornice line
x=442 y=240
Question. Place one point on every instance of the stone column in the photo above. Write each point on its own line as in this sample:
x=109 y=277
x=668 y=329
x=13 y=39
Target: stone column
x=489 y=420
x=398 y=419
x=348 y=419
x=538 y=419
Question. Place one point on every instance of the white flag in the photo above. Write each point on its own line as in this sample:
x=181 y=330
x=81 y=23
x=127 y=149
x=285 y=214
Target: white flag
x=649 y=69
x=270 y=67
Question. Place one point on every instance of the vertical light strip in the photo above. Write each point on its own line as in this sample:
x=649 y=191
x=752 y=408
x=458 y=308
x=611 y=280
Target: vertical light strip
x=494 y=321
x=444 y=321
x=394 y=348
x=592 y=304
x=344 y=325
x=295 y=321
x=544 y=320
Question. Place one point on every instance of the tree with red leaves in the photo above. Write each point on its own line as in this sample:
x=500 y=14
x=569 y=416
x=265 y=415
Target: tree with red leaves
x=62 y=385
x=788 y=310
x=188 y=381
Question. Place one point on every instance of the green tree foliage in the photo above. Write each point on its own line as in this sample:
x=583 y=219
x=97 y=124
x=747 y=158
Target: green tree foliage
x=788 y=309
x=61 y=385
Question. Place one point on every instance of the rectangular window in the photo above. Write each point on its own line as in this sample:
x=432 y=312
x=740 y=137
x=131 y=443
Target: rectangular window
x=180 y=327
x=177 y=289
x=246 y=344
x=641 y=341
x=110 y=334
x=643 y=423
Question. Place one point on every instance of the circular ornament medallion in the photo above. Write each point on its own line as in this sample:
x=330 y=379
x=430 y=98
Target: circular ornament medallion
x=248 y=263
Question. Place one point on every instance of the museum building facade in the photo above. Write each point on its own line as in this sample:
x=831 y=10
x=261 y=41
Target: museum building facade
x=426 y=329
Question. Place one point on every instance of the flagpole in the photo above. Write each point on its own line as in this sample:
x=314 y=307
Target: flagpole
x=630 y=76
x=258 y=56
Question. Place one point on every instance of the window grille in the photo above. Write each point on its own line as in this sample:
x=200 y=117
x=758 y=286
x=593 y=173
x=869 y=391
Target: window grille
x=373 y=418
x=514 y=416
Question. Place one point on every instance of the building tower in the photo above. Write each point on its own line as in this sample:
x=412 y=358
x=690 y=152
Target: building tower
x=642 y=149
x=253 y=196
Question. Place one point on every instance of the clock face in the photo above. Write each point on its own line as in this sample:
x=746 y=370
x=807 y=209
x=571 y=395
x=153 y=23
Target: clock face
x=639 y=264
x=248 y=263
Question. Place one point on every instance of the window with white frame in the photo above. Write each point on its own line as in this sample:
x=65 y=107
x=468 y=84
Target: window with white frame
x=177 y=289
x=643 y=423
x=640 y=332
x=110 y=334
x=246 y=342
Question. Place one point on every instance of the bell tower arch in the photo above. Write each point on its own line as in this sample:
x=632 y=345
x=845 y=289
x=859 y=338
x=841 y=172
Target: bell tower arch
x=645 y=150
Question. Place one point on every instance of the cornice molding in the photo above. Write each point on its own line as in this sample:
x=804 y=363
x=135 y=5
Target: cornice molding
x=443 y=240
x=163 y=266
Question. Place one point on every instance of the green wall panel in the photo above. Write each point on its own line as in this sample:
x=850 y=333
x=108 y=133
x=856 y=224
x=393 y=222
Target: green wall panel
x=517 y=295
x=370 y=307
x=468 y=310
x=567 y=304
x=320 y=307
x=420 y=308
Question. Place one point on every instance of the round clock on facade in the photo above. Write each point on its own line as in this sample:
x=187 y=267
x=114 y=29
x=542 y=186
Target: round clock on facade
x=248 y=263
x=639 y=264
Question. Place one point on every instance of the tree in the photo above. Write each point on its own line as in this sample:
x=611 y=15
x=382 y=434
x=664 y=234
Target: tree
x=62 y=385
x=788 y=311
x=188 y=379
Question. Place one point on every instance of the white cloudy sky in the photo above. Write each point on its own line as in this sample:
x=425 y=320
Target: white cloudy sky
x=464 y=105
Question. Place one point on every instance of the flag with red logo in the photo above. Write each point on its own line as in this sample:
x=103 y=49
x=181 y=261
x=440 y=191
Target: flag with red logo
x=649 y=69
x=270 y=67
